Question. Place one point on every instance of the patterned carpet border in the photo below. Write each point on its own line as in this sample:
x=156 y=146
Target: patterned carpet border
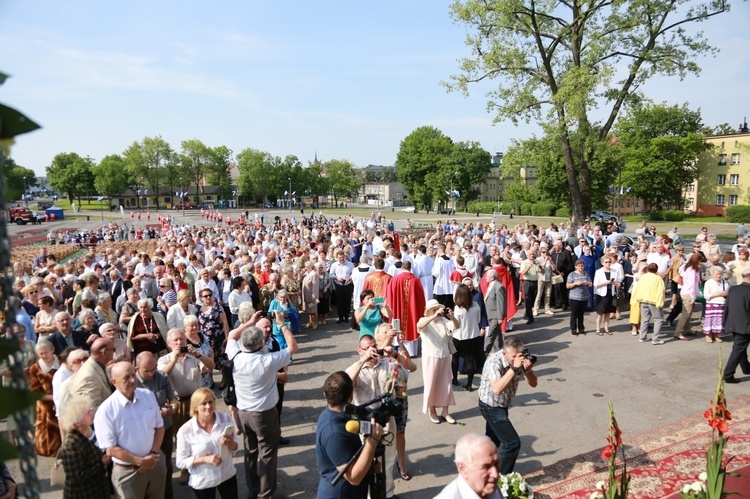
x=577 y=476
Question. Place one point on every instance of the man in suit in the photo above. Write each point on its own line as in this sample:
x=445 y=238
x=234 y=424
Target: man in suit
x=92 y=380
x=116 y=287
x=494 y=303
x=64 y=337
x=737 y=322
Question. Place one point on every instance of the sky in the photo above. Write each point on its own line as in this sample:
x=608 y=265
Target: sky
x=345 y=80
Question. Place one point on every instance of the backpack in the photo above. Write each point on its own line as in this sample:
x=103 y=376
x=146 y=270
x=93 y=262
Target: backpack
x=229 y=393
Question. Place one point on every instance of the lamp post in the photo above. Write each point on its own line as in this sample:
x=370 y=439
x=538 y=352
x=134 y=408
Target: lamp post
x=453 y=204
x=290 y=193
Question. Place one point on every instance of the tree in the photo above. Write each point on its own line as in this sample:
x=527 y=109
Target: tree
x=660 y=146
x=387 y=174
x=72 y=174
x=256 y=173
x=417 y=162
x=147 y=161
x=559 y=60
x=343 y=180
x=110 y=176
x=195 y=160
x=468 y=165
x=17 y=179
x=219 y=170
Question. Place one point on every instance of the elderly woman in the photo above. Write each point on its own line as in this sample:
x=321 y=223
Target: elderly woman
x=291 y=317
x=735 y=268
x=111 y=331
x=147 y=331
x=369 y=314
x=128 y=309
x=204 y=282
x=715 y=291
x=84 y=463
x=63 y=391
x=44 y=321
x=289 y=282
x=310 y=294
x=104 y=310
x=324 y=292
x=607 y=282
x=30 y=301
x=436 y=329
x=183 y=308
x=269 y=290
x=213 y=325
x=47 y=432
x=88 y=328
x=238 y=296
x=205 y=446
x=194 y=337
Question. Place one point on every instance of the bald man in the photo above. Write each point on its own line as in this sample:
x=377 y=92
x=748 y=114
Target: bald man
x=92 y=380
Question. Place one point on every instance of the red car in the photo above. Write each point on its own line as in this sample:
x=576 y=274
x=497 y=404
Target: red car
x=186 y=205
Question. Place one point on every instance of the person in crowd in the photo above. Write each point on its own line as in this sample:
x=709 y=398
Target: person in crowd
x=369 y=315
x=467 y=338
x=378 y=279
x=200 y=343
x=590 y=263
x=237 y=296
x=130 y=429
x=678 y=260
x=47 y=432
x=341 y=275
x=442 y=269
x=254 y=372
x=205 y=446
x=61 y=392
x=111 y=332
x=88 y=328
x=324 y=292
x=530 y=271
x=146 y=331
x=562 y=262
x=84 y=463
x=158 y=383
x=93 y=379
x=167 y=298
x=649 y=296
x=183 y=308
x=436 y=330
x=607 y=283
x=283 y=306
x=736 y=320
x=578 y=297
x=205 y=282
x=735 y=268
x=30 y=301
x=544 y=284
x=405 y=297
x=335 y=447
x=310 y=294
x=104 y=311
x=478 y=466
x=501 y=375
x=715 y=290
x=44 y=320
x=690 y=274
x=128 y=308
x=214 y=325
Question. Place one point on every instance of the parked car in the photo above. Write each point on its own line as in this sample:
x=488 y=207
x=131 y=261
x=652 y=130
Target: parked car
x=269 y=205
x=207 y=205
x=603 y=214
x=409 y=209
x=446 y=211
x=184 y=205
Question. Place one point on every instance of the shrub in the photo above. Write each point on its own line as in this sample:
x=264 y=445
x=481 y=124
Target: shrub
x=667 y=216
x=506 y=206
x=542 y=209
x=738 y=214
x=483 y=207
x=563 y=212
x=526 y=208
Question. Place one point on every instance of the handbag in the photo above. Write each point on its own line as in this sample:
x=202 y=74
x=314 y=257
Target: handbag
x=57 y=478
x=557 y=279
x=700 y=298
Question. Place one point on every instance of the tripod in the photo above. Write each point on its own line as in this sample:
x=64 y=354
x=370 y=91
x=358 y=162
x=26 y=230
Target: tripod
x=375 y=475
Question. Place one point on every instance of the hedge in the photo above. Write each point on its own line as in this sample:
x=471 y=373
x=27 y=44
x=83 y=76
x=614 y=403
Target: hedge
x=542 y=209
x=482 y=207
x=563 y=212
x=667 y=216
x=526 y=208
x=506 y=207
x=738 y=214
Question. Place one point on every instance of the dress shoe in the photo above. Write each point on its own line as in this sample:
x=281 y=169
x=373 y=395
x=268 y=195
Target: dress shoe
x=340 y=321
x=434 y=419
x=449 y=419
x=468 y=387
x=530 y=321
x=284 y=441
x=731 y=379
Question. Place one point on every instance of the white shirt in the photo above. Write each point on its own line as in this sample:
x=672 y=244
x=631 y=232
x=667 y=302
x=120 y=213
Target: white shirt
x=130 y=424
x=60 y=376
x=200 y=285
x=186 y=373
x=441 y=271
x=660 y=259
x=468 y=321
x=255 y=376
x=459 y=489
x=193 y=441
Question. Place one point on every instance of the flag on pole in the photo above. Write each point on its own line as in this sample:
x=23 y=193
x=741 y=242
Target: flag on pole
x=457 y=194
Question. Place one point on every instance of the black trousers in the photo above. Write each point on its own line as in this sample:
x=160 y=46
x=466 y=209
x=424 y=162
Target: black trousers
x=344 y=300
x=738 y=356
x=577 y=309
x=227 y=490
x=529 y=297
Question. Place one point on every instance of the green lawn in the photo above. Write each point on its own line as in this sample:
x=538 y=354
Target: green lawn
x=85 y=205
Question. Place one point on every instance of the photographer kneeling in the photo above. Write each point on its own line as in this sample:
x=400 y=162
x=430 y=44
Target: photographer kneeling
x=502 y=372
x=335 y=446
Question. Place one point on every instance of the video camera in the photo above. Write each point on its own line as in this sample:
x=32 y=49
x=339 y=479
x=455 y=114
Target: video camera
x=387 y=406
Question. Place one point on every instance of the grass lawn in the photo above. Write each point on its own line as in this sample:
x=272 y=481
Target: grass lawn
x=85 y=205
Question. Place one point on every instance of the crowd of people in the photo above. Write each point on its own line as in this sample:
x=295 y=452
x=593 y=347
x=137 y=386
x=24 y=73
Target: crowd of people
x=137 y=336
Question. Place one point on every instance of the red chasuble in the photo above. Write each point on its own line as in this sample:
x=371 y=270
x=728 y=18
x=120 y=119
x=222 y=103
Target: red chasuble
x=405 y=296
x=377 y=281
x=507 y=281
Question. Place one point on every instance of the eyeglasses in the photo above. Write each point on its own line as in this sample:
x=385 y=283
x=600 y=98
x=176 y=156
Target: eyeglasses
x=163 y=285
x=33 y=292
x=205 y=296
x=80 y=361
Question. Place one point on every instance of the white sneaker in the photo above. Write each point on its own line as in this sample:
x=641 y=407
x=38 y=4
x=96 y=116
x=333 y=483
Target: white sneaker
x=634 y=333
x=534 y=313
x=657 y=342
x=549 y=312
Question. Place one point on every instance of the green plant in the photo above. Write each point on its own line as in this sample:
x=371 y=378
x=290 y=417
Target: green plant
x=542 y=209
x=738 y=214
x=526 y=208
x=482 y=207
x=616 y=487
x=513 y=486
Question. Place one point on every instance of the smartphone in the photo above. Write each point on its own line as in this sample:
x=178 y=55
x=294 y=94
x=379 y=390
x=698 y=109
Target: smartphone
x=379 y=301
x=183 y=349
x=229 y=431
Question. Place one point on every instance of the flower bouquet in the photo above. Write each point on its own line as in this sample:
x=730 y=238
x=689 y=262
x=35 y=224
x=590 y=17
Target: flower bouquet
x=513 y=486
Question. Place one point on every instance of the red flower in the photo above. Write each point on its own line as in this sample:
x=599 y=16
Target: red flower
x=608 y=451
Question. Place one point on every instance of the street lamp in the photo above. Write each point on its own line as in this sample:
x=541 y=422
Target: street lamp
x=290 y=193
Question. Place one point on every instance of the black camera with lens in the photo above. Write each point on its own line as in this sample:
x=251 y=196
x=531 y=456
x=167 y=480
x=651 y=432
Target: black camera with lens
x=446 y=311
x=381 y=409
x=530 y=356
x=380 y=351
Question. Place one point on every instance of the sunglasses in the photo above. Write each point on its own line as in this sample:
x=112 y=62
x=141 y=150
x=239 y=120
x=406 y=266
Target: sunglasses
x=33 y=292
x=205 y=296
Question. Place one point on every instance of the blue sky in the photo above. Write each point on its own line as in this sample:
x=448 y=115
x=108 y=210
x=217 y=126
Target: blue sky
x=346 y=79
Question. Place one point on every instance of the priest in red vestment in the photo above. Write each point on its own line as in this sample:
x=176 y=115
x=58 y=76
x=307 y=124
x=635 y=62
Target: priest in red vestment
x=378 y=279
x=405 y=297
x=503 y=277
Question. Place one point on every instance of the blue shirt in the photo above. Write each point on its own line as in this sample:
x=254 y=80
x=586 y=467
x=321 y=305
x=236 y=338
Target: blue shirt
x=335 y=446
x=23 y=319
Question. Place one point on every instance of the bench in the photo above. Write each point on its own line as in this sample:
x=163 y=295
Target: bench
x=497 y=214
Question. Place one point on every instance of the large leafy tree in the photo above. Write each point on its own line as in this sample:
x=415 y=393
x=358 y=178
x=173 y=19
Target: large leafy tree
x=72 y=174
x=259 y=176
x=343 y=180
x=195 y=160
x=110 y=176
x=147 y=161
x=467 y=166
x=557 y=61
x=219 y=170
x=418 y=160
x=17 y=178
x=660 y=146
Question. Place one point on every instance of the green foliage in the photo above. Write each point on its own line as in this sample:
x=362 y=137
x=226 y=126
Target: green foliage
x=520 y=192
x=17 y=178
x=563 y=212
x=659 y=144
x=469 y=166
x=386 y=174
x=667 y=216
x=342 y=179
x=555 y=62
x=219 y=171
x=506 y=207
x=148 y=162
x=110 y=176
x=543 y=209
x=738 y=214
x=418 y=160
x=483 y=207
x=526 y=208
x=72 y=174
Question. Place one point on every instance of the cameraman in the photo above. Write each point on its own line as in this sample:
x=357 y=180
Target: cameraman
x=502 y=372
x=334 y=446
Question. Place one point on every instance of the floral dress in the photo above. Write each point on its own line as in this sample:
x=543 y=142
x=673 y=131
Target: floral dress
x=294 y=292
x=212 y=328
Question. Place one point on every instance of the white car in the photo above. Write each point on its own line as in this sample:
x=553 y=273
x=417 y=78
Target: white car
x=409 y=209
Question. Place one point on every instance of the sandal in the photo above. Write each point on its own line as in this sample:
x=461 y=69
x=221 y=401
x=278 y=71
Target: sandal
x=608 y=332
x=404 y=475
x=709 y=339
x=599 y=333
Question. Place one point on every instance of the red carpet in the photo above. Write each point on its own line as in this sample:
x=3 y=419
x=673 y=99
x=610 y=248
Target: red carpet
x=660 y=462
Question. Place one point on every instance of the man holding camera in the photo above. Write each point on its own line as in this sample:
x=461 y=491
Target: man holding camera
x=335 y=446
x=369 y=376
x=502 y=372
